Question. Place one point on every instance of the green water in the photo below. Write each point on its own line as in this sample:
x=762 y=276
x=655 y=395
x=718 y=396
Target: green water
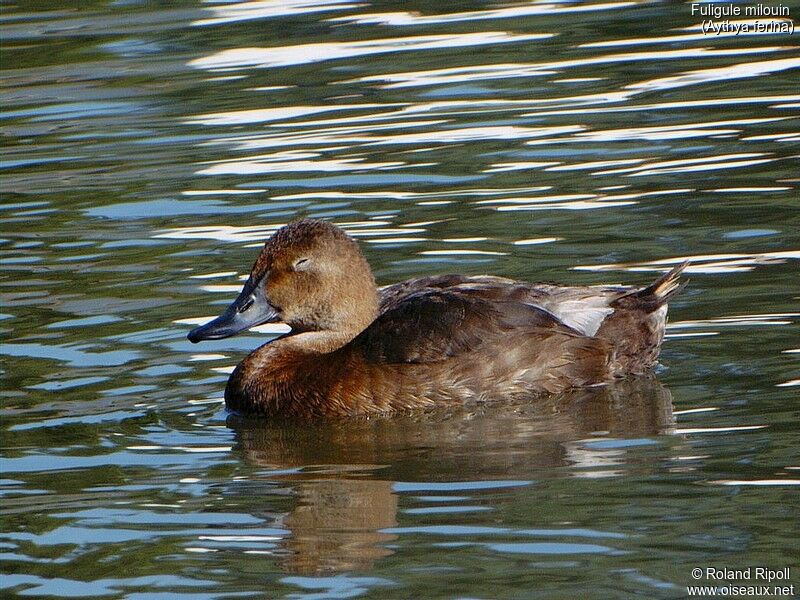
x=149 y=148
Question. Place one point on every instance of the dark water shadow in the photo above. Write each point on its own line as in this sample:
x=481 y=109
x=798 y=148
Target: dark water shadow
x=346 y=475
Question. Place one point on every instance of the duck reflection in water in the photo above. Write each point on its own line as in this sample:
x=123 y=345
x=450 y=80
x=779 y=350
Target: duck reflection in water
x=346 y=497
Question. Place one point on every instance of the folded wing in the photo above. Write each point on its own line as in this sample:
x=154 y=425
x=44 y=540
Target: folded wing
x=433 y=324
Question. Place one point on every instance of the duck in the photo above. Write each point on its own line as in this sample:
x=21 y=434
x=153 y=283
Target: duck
x=357 y=350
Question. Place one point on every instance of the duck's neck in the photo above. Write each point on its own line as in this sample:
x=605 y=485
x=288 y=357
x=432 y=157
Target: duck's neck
x=313 y=342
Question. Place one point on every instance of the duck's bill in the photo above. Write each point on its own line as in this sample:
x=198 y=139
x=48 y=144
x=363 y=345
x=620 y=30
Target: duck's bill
x=250 y=309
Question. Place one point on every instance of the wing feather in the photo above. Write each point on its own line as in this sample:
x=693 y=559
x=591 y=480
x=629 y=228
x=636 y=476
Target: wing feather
x=433 y=324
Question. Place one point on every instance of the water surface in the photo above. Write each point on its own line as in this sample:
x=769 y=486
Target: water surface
x=148 y=151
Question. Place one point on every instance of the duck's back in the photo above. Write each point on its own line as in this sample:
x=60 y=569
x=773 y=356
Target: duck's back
x=582 y=308
x=632 y=320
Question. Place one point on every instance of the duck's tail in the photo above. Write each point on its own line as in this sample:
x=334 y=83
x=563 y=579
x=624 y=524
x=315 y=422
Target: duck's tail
x=657 y=294
x=636 y=327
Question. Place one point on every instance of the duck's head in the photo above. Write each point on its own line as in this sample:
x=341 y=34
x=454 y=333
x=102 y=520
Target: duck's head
x=309 y=275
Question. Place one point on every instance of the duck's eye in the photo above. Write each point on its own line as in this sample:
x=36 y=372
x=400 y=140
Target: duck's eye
x=301 y=264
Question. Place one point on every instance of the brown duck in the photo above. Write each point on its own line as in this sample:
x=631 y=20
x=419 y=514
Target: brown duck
x=355 y=349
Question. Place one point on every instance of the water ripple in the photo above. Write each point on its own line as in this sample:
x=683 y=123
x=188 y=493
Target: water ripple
x=580 y=142
x=283 y=56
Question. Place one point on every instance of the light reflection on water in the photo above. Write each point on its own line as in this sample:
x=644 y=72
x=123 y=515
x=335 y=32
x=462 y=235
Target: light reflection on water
x=149 y=151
